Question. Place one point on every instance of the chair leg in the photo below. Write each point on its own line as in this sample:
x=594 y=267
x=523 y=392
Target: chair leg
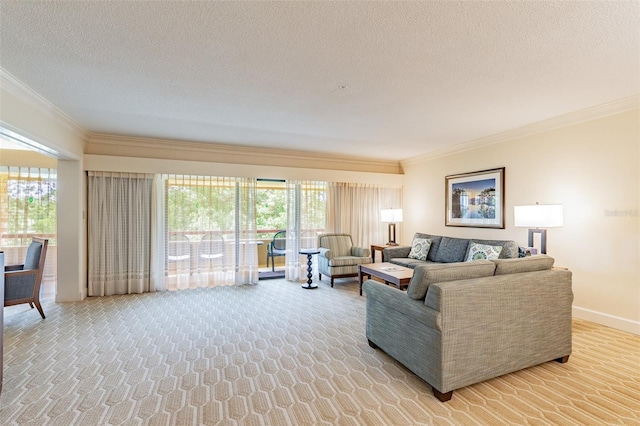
x=331 y=282
x=37 y=303
x=31 y=305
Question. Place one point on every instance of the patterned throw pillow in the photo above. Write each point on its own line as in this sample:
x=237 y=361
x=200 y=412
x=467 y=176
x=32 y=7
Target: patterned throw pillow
x=420 y=249
x=482 y=251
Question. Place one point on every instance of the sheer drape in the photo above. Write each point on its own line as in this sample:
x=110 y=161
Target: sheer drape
x=305 y=220
x=119 y=226
x=210 y=231
x=354 y=209
x=27 y=209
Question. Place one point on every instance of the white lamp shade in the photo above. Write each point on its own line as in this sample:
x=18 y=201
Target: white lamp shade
x=391 y=216
x=538 y=216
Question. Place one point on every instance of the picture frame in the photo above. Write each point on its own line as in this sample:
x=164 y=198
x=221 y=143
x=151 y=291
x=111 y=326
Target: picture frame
x=475 y=199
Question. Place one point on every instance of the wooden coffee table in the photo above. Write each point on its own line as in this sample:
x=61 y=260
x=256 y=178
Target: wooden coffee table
x=389 y=272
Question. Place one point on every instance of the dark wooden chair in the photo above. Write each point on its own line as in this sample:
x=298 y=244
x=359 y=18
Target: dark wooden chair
x=22 y=282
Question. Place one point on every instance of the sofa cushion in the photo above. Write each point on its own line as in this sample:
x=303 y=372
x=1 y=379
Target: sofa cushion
x=435 y=244
x=407 y=262
x=420 y=248
x=479 y=251
x=429 y=273
x=524 y=264
x=452 y=250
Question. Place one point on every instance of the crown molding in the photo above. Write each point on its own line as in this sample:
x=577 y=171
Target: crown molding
x=32 y=98
x=588 y=114
x=286 y=157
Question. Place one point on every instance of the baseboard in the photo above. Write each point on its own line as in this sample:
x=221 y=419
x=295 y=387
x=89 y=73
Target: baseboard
x=612 y=321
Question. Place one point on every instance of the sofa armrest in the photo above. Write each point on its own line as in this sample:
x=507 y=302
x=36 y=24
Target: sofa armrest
x=389 y=299
x=394 y=252
x=325 y=252
x=360 y=252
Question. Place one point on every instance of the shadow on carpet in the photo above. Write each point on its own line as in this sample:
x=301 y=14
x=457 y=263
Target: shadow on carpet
x=270 y=275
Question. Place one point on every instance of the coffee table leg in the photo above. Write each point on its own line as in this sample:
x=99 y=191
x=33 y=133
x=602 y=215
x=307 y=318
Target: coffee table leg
x=309 y=286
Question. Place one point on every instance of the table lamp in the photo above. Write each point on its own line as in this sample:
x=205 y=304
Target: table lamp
x=537 y=218
x=391 y=216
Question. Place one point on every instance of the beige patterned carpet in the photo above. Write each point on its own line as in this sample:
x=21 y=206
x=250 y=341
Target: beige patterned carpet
x=275 y=354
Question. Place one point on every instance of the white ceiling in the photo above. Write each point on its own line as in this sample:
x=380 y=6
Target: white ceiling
x=383 y=80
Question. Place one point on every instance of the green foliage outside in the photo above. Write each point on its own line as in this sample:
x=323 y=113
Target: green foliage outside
x=211 y=208
x=200 y=208
x=32 y=208
x=271 y=211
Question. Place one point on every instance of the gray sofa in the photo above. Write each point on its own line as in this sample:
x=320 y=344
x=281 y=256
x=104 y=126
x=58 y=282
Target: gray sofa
x=461 y=323
x=446 y=250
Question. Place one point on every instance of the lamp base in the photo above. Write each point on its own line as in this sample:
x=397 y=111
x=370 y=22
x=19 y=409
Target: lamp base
x=392 y=235
x=543 y=239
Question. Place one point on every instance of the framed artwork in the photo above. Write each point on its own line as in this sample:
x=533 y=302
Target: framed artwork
x=475 y=199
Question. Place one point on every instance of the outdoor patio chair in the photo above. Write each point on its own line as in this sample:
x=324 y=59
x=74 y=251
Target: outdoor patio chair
x=210 y=250
x=277 y=247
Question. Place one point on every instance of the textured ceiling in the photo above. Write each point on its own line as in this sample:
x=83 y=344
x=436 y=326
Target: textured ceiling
x=384 y=80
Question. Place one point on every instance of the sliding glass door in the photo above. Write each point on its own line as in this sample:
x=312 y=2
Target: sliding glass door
x=210 y=231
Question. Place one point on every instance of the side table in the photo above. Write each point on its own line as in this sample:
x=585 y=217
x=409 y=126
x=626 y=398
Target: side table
x=309 y=253
x=380 y=248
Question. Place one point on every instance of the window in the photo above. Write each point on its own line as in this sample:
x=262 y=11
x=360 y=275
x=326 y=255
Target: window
x=27 y=209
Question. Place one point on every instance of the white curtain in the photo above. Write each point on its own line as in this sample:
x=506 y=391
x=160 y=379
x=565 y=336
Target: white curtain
x=158 y=241
x=354 y=208
x=28 y=209
x=210 y=231
x=305 y=221
x=119 y=226
x=246 y=237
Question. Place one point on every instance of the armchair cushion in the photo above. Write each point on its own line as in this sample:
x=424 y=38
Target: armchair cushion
x=349 y=260
x=32 y=259
x=339 y=244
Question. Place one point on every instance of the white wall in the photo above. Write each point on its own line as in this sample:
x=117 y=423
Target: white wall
x=592 y=169
x=25 y=112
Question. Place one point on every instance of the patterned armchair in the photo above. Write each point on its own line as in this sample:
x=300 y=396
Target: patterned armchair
x=22 y=282
x=338 y=258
